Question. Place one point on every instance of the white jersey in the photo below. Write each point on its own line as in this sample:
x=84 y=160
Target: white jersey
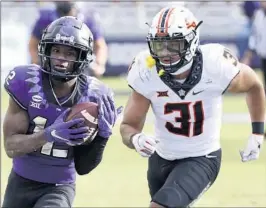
x=188 y=127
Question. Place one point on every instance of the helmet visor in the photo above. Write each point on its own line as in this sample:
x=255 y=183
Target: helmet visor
x=169 y=51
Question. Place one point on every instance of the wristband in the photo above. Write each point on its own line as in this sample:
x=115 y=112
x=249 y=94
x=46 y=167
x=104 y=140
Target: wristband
x=257 y=127
x=131 y=138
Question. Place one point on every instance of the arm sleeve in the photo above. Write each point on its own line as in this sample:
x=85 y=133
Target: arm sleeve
x=88 y=156
x=229 y=69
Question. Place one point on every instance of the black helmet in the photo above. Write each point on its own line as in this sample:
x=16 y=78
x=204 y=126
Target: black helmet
x=68 y=31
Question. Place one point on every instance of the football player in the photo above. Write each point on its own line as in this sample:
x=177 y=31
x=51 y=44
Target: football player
x=183 y=82
x=46 y=151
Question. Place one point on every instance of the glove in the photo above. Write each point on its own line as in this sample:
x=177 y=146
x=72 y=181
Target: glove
x=252 y=150
x=144 y=145
x=62 y=132
x=107 y=115
x=107 y=112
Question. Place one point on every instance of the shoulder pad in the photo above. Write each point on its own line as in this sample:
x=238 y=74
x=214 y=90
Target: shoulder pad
x=220 y=64
x=98 y=87
x=17 y=82
x=140 y=71
x=218 y=53
x=211 y=50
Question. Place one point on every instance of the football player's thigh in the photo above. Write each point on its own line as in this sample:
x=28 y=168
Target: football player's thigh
x=20 y=192
x=187 y=181
x=57 y=196
x=158 y=170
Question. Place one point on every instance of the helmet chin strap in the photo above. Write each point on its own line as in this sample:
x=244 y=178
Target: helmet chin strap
x=183 y=69
x=61 y=79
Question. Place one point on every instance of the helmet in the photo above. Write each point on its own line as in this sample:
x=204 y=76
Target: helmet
x=67 y=31
x=173 y=39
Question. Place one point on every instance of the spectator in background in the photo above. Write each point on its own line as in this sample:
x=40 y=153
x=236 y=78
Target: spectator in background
x=257 y=39
x=249 y=8
x=91 y=19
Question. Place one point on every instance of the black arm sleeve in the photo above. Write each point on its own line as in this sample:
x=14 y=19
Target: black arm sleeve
x=88 y=156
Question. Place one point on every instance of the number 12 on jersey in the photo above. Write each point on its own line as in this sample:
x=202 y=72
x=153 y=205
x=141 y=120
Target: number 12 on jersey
x=189 y=121
x=48 y=148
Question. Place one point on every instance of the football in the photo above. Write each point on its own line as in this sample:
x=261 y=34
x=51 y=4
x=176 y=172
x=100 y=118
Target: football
x=88 y=111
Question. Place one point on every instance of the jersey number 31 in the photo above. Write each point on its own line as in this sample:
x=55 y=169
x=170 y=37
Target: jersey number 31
x=190 y=120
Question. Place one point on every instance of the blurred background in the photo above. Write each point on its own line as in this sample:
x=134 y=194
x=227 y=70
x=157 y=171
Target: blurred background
x=120 y=180
x=124 y=28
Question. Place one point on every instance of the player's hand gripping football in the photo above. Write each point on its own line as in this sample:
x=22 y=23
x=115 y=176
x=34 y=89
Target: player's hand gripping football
x=107 y=115
x=144 y=145
x=252 y=150
x=61 y=131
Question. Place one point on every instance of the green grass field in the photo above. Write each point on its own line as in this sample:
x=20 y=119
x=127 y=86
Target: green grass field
x=120 y=180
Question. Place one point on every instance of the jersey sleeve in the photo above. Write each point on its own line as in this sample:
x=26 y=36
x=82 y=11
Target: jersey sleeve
x=228 y=65
x=15 y=85
x=97 y=87
x=139 y=76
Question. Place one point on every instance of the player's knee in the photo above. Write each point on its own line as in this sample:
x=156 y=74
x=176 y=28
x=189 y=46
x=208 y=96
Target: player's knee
x=155 y=205
x=171 y=197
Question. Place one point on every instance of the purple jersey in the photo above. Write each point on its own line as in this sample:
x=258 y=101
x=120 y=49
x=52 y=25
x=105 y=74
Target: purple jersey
x=31 y=89
x=48 y=16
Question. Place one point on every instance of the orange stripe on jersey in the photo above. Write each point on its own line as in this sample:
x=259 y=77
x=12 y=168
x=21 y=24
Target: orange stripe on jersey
x=167 y=19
